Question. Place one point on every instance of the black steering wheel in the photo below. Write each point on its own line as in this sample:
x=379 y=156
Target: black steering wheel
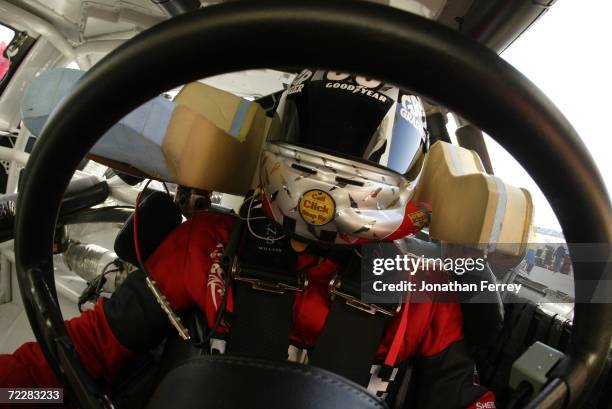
x=364 y=38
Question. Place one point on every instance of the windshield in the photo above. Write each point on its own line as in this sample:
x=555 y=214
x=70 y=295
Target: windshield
x=562 y=54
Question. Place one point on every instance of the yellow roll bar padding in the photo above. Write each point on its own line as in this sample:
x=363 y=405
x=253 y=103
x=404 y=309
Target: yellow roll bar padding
x=470 y=206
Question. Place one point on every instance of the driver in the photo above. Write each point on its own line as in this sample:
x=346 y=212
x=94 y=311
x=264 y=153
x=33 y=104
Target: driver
x=338 y=171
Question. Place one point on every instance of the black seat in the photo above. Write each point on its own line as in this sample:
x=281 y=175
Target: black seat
x=158 y=216
x=484 y=318
x=224 y=382
x=525 y=323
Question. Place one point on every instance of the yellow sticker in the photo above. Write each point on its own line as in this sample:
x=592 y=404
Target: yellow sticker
x=275 y=167
x=317 y=207
x=418 y=218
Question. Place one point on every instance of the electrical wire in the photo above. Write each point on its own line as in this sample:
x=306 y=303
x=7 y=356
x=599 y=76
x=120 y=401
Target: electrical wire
x=220 y=312
x=245 y=202
x=166 y=188
x=227 y=260
x=135 y=229
x=104 y=274
x=89 y=293
x=248 y=222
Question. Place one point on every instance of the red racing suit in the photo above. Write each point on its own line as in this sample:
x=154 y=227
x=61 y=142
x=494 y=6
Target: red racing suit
x=186 y=267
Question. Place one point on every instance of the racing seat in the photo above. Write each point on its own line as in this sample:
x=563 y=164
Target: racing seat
x=482 y=320
x=526 y=323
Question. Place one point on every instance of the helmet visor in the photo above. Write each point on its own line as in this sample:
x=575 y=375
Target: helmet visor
x=378 y=125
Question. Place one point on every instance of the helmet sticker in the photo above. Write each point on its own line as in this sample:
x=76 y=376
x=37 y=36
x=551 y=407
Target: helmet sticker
x=285 y=186
x=418 y=218
x=365 y=228
x=317 y=207
x=355 y=84
x=359 y=81
x=372 y=194
x=298 y=83
x=328 y=166
x=412 y=110
x=393 y=203
x=275 y=167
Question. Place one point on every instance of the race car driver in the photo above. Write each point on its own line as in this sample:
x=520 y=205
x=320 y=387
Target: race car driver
x=338 y=170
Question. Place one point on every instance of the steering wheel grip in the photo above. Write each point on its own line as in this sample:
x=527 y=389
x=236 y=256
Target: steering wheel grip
x=365 y=38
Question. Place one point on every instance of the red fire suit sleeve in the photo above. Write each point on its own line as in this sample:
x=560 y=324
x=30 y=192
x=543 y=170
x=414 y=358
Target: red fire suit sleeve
x=101 y=353
x=95 y=332
x=187 y=265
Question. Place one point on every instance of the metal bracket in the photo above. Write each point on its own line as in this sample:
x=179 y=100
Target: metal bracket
x=267 y=286
x=175 y=320
x=534 y=365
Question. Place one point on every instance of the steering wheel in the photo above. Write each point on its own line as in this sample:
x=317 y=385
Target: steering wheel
x=368 y=39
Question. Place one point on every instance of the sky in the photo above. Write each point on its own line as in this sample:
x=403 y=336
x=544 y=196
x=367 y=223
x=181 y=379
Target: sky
x=567 y=54
x=6 y=34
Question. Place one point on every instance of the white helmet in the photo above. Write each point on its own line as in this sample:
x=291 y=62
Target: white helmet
x=341 y=158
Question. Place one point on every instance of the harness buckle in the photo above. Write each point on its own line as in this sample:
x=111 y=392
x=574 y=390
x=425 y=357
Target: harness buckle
x=334 y=289
x=267 y=285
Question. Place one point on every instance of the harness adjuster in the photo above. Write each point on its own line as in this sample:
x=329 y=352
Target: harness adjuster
x=267 y=285
x=334 y=289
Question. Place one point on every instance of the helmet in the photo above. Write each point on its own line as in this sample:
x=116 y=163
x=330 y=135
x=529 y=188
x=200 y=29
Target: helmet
x=341 y=158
